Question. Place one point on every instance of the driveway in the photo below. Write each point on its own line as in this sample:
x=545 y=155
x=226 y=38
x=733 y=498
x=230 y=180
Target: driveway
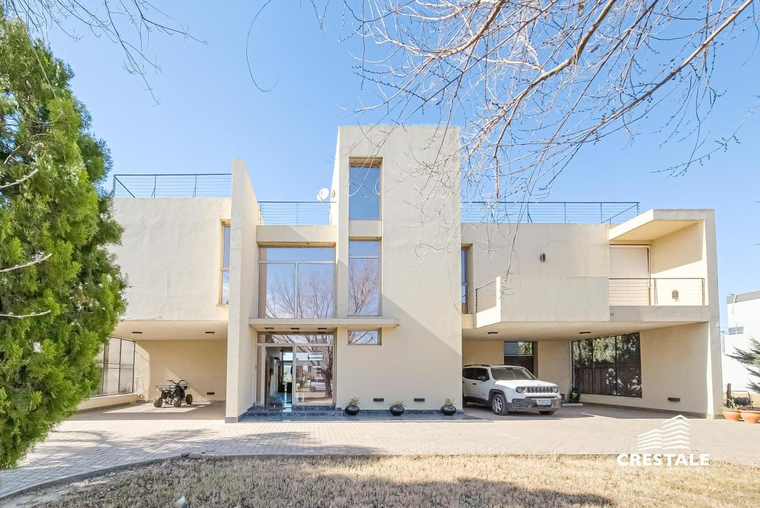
x=102 y=439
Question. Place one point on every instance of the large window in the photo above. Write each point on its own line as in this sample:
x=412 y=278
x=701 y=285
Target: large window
x=117 y=363
x=224 y=297
x=364 y=277
x=364 y=190
x=296 y=282
x=520 y=354
x=608 y=365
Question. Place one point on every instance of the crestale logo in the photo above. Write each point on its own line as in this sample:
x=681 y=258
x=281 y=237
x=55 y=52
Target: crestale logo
x=670 y=445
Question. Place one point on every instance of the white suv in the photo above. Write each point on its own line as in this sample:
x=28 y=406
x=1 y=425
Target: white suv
x=508 y=388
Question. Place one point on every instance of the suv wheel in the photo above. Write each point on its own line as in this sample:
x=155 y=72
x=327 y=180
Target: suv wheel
x=499 y=404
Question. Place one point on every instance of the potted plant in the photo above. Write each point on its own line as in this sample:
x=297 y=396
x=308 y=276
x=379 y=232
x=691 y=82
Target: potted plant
x=352 y=409
x=574 y=397
x=731 y=411
x=749 y=415
x=448 y=408
x=397 y=409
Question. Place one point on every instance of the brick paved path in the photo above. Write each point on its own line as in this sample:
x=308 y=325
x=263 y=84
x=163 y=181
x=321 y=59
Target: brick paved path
x=96 y=440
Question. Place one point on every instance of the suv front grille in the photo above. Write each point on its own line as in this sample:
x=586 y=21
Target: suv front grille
x=537 y=389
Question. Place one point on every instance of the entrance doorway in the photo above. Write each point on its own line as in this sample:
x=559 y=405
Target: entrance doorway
x=278 y=372
x=297 y=370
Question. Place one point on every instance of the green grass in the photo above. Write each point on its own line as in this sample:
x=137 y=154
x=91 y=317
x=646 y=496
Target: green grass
x=412 y=481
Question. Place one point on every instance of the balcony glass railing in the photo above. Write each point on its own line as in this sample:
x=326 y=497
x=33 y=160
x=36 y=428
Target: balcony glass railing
x=658 y=291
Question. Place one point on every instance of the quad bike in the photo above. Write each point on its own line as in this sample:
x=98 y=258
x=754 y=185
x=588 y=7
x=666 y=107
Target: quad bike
x=173 y=393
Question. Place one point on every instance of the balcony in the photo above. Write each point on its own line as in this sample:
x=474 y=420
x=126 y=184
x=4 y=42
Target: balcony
x=659 y=291
x=295 y=213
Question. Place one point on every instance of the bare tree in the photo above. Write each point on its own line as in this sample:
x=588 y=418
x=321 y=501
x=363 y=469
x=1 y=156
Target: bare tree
x=533 y=82
x=129 y=24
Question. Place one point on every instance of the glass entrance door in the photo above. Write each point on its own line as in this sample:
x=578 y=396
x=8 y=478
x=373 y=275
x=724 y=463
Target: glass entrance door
x=314 y=376
x=278 y=378
x=298 y=370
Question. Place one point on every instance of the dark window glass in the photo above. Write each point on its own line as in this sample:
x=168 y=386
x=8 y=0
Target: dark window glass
x=520 y=354
x=608 y=365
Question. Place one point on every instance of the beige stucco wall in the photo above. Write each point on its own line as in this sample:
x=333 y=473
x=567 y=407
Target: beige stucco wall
x=244 y=255
x=171 y=253
x=202 y=363
x=490 y=352
x=420 y=251
x=571 y=285
x=554 y=363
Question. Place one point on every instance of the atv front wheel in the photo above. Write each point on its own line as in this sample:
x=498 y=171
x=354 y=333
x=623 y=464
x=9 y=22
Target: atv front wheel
x=158 y=402
x=177 y=402
x=188 y=399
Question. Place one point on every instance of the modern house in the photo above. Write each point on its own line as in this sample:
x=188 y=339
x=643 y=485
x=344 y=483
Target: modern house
x=390 y=283
x=743 y=311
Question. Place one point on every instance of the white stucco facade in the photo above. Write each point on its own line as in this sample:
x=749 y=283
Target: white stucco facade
x=549 y=284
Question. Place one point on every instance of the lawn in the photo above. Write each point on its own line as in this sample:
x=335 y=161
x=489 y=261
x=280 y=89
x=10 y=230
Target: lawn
x=460 y=481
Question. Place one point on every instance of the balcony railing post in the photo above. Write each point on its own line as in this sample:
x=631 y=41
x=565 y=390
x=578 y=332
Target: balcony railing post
x=155 y=182
x=195 y=186
x=564 y=205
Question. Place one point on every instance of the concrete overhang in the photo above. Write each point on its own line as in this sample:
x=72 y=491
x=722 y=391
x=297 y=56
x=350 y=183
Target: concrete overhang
x=529 y=331
x=300 y=325
x=159 y=329
x=312 y=235
x=654 y=224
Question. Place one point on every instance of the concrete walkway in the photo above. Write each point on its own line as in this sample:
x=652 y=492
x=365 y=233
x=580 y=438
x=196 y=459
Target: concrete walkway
x=102 y=439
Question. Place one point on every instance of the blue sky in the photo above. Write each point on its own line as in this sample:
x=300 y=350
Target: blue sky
x=210 y=111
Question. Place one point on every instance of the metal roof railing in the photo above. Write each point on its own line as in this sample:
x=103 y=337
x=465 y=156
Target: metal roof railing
x=549 y=212
x=298 y=213
x=172 y=185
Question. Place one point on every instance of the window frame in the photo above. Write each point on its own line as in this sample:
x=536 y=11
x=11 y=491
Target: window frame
x=367 y=163
x=379 y=342
x=616 y=365
x=379 y=259
x=226 y=226
x=296 y=270
x=105 y=366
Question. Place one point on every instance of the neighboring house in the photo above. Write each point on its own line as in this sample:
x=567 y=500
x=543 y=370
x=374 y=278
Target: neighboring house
x=384 y=290
x=743 y=311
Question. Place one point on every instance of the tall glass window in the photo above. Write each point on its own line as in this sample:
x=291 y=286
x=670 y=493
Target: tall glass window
x=117 y=363
x=608 y=365
x=296 y=282
x=224 y=296
x=364 y=191
x=465 y=283
x=364 y=277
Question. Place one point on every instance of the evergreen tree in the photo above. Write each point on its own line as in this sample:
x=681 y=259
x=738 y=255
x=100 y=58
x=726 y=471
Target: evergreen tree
x=750 y=358
x=61 y=292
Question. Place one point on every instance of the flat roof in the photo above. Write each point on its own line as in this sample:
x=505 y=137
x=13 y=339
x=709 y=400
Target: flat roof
x=743 y=297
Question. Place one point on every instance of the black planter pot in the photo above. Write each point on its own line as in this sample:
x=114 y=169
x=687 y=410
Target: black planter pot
x=449 y=410
x=397 y=410
x=352 y=410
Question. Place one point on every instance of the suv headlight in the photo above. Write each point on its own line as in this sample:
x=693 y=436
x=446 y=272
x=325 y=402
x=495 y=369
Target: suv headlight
x=520 y=389
x=555 y=389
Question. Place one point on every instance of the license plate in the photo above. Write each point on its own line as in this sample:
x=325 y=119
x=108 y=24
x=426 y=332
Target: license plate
x=543 y=402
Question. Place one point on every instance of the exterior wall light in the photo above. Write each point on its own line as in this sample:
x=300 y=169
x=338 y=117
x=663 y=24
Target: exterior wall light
x=542 y=257
x=674 y=293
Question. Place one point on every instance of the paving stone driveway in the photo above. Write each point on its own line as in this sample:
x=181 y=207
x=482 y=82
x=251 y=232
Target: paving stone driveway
x=102 y=439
